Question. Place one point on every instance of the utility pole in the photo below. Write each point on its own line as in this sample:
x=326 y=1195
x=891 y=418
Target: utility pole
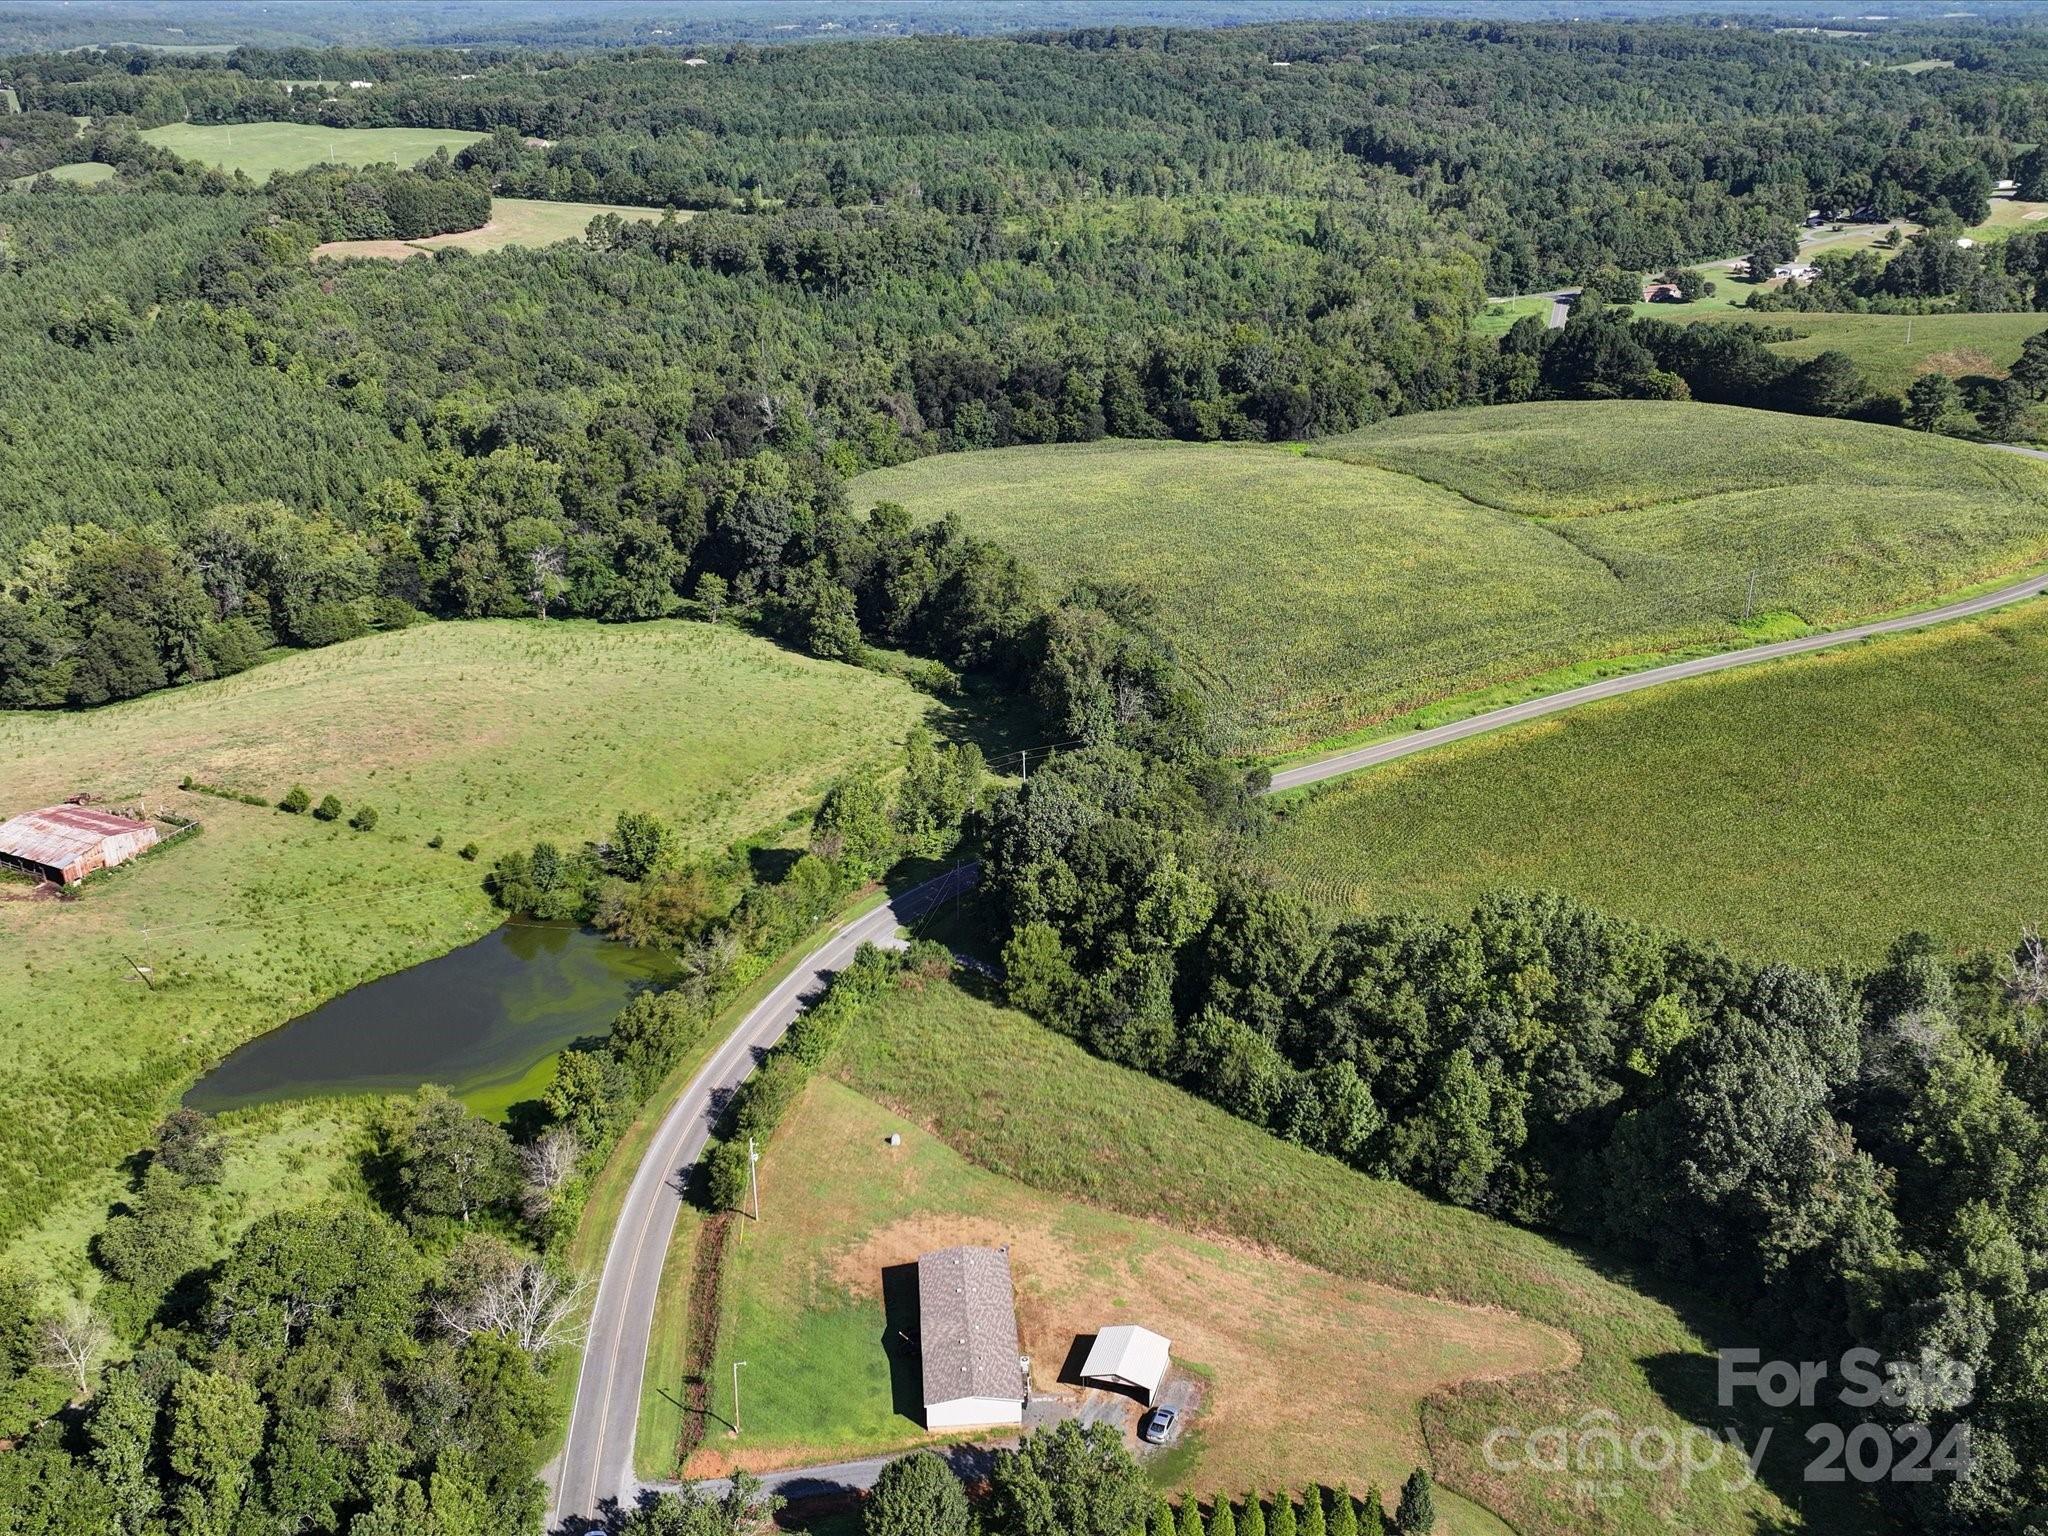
x=736 y=1395
x=1025 y=756
x=754 y=1183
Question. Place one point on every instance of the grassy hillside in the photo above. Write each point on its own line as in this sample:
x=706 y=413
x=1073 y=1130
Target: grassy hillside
x=806 y=1291
x=1316 y=590
x=1809 y=809
x=492 y=732
x=260 y=148
x=1019 y=1101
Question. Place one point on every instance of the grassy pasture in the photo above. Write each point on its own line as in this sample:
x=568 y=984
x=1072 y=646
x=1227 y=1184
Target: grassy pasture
x=494 y=732
x=805 y=1304
x=257 y=149
x=1811 y=809
x=80 y=172
x=1313 y=591
x=1588 y=460
x=1498 y=318
x=2009 y=216
x=1891 y=350
x=514 y=221
x=1017 y=1100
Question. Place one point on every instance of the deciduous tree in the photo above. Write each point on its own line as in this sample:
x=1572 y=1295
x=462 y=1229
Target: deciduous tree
x=916 y=1495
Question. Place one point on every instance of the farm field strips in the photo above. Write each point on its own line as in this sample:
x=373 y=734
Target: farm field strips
x=1313 y=591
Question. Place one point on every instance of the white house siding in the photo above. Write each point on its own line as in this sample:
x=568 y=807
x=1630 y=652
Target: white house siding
x=973 y=1412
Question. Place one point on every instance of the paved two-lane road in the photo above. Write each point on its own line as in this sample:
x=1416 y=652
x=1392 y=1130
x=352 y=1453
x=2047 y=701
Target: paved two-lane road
x=1339 y=763
x=595 y=1469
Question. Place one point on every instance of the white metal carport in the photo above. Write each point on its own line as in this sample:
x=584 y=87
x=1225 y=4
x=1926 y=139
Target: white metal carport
x=1128 y=1356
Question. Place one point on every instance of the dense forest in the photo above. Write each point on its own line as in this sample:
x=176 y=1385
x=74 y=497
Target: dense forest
x=213 y=449
x=1554 y=149
x=210 y=447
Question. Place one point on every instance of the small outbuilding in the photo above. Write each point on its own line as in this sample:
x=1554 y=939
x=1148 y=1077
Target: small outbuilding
x=967 y=1337
x=65 y=843
x=1129 y=1356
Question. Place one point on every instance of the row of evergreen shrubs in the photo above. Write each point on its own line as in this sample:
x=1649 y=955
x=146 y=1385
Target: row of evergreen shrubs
x=1323 y=1512
x=1069 y=1481
x=298 y=801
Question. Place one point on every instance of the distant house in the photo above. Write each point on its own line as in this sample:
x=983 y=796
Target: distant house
x=1129 y=1356
x=65 y=843
x=967 y=1335
x=2005 y=186
x=1661 y=293
x=695 y=63
x=361 y=85
x=1964 y=242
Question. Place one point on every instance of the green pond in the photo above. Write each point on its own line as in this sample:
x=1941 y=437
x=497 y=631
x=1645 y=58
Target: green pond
x=480 y=1021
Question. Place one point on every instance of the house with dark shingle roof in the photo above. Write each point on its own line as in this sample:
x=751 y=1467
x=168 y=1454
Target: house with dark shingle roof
x=967 y=1335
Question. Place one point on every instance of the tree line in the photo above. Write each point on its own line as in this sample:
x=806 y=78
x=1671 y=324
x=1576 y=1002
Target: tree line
x=1066 y=1480
x=382 y=202
x=1844 y=1156
x=439 y=480
x=369 y=1366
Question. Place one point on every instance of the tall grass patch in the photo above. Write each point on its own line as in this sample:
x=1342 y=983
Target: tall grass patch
x=1812 y=809
x=1318 y=589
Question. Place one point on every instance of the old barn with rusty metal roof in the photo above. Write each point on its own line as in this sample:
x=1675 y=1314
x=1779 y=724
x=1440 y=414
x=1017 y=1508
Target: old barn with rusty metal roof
x=967 y=1333
x=65 y=843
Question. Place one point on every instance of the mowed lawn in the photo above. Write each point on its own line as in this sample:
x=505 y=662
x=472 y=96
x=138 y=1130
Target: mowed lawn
x=257 y=149
x=1314 y=590
x=2009 y=216
x=1809 y=809
x=1015 y=1099
x=833 y=1373
x=496 y=733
